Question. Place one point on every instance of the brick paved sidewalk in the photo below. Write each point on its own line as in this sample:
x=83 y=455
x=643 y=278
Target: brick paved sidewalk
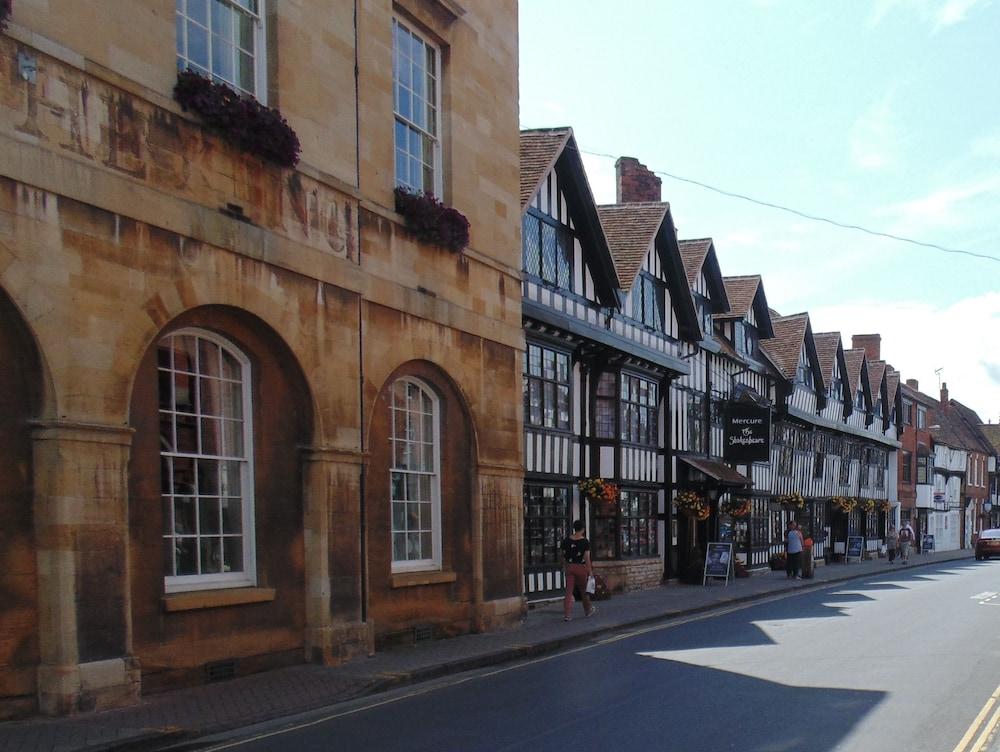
x=176 y=717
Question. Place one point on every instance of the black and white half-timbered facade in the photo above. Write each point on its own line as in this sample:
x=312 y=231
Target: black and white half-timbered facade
x=835 y=444
x=604 y=308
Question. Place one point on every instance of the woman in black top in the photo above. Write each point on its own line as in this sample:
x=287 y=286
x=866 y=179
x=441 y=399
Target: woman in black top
x=576 y=554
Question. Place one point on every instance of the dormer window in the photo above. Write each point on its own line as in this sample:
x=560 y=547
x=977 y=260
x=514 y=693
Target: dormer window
x=805 y=375
x=547 y=249
x=647 y=297
x=859 y=403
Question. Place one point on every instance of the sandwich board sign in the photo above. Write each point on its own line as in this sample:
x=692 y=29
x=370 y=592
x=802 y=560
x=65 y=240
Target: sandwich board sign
x=718 y=561
x=855 y=547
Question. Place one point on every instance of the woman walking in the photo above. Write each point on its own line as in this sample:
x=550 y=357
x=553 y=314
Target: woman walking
x=577 y=569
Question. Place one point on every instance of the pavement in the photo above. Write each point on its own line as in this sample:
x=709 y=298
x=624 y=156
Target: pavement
x=178 y=719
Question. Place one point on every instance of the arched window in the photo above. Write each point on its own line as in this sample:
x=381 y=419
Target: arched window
x=206 y=474
x=415 y=477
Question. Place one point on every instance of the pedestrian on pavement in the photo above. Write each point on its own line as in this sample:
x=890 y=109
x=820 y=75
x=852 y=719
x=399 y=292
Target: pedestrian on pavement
x=906 y=538
x=892 y=543
x=793 y=551
x=577 y=570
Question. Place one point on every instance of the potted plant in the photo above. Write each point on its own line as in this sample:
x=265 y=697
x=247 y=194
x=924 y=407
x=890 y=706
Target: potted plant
x=692 y=505
x=777 y=562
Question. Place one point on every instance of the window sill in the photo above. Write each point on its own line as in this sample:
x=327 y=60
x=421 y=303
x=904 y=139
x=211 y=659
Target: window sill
x=202 y=599
x=413 y=579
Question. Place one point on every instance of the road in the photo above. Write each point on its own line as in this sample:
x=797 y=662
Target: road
x=909 y=660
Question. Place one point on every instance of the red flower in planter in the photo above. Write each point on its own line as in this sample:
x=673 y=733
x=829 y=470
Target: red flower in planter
x=243 y=121
x=431 y=221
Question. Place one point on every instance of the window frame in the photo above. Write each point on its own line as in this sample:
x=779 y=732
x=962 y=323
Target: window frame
x=921 y=417
x=184 y=62
x=215 y=581
x=646 y=282
x=907 y=464
x=528 y=377
x=436 y=137
x=565 y=244
x=534 y=493
x=626 y=407
x=434 y=563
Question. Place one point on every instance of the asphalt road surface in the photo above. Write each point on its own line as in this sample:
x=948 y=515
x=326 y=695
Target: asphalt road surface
x=909 y=660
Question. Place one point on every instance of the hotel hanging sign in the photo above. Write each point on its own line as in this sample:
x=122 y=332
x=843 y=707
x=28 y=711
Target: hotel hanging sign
x=747 y=433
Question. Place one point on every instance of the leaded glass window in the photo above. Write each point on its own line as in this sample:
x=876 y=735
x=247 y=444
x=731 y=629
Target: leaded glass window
x=546 y=382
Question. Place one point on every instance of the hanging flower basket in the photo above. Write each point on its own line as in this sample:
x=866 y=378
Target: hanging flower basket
x=242 y=121
x=884 y=506
x=794 y=500
x=431 y=221
x=601 y=492
x=738 y=507
x=866 y=505
x=843 y=504
x=693 y=505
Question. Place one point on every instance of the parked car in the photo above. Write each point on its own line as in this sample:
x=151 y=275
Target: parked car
x=988 y=544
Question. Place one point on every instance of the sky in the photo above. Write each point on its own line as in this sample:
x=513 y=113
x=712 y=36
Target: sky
x=881 y=114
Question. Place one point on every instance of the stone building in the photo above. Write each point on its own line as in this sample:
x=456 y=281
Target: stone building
x=249 y=417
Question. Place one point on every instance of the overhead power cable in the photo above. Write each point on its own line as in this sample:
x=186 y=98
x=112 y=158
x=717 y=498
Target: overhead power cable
x=805 y=215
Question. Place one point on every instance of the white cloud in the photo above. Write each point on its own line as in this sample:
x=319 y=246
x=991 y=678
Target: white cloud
x=938 y=13
x=954 y=11
x=918 y=338
x=987 y=146
x=944 y=207
x=874 y=137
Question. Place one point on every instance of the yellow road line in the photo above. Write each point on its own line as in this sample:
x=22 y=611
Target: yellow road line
x=987 y=732
x=963 y=743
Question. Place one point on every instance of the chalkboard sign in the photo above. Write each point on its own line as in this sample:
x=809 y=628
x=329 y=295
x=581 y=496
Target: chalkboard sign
x=855 y=546
x=927 y=544
x=718 y=561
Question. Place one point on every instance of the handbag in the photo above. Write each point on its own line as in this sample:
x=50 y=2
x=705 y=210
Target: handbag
x=591 y=585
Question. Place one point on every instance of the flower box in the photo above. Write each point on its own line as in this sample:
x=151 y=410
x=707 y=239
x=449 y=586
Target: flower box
x=242 y=121
x=431 y=221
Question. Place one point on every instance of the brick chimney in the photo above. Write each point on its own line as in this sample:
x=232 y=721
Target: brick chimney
x=635 y=182
x=944 y=395
x=870 y=343
x=913 y=384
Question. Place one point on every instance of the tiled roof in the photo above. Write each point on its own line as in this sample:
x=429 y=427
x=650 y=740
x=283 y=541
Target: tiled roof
x=630 y=229
x=693 y=253
x=917 y=396
x=741 y=292
x=854 y=358
x=950 y=430
x=785 y=348
x=992 y=433
x=876 y=370
x=973 y=427
x=827 y=344
x=892 y=381
x=539 y=151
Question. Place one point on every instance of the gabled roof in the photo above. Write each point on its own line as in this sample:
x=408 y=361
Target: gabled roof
x=539 y=151
x=547 y=149
x=746 y=293
x=892 y=384
x=855 y=360
x=827 y=345
x=876 y=372
x=992 y=433
x=699 y=258
x=631 y=230
x=949 y=429
x=973 y=427
x=789 y=336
